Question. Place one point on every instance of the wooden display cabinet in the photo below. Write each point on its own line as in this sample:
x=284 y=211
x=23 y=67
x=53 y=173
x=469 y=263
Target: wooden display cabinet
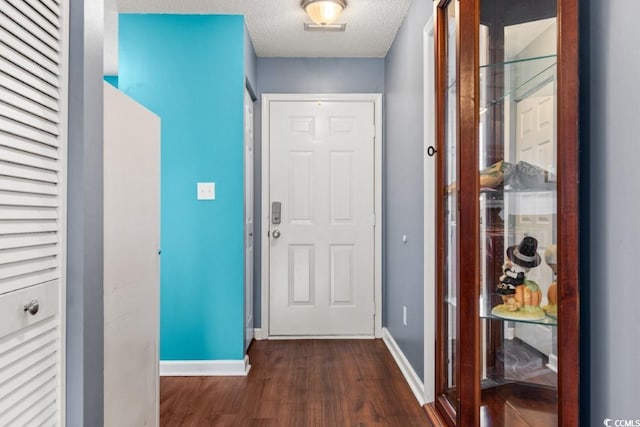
x=507 y=213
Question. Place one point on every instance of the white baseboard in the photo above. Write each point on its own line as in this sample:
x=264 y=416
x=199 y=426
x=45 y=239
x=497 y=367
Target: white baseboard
x=415 y=383
x=205 y=368
x=257 y=334
x=509 y=333
x=320 y=337
x=553 y=362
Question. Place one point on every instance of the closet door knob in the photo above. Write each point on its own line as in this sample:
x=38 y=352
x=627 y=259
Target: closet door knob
x=32 y=308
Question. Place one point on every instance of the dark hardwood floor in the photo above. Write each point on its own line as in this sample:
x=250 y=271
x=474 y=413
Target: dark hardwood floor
x=304 y=383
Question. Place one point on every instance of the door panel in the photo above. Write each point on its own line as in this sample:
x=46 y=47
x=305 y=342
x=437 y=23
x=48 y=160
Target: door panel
x=301 y=274
x=322 y=251
x=342 y=196
x=33 y=99
x=131 y=261
x=342 y=275
x=301 y=187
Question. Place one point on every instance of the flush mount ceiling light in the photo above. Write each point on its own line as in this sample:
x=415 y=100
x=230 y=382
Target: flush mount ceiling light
x=323 y=12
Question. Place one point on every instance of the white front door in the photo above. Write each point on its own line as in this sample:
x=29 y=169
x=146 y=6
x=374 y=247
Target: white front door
x=535 y=144
x=322 y=239
x=248 y=218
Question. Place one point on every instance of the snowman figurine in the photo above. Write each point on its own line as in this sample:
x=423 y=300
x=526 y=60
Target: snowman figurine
x=520 y=296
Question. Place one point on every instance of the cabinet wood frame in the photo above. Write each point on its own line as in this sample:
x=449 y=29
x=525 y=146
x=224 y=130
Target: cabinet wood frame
x=468 y=345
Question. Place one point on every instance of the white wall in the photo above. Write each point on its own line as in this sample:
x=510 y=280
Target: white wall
x=110 y=53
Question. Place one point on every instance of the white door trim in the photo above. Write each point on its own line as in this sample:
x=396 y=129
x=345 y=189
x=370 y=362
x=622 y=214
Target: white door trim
x=429 y=215
x=376 y=98
x=249 y=202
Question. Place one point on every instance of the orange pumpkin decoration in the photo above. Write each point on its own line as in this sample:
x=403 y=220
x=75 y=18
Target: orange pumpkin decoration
x=532 y=298
x=552 y=294
x=524 y=297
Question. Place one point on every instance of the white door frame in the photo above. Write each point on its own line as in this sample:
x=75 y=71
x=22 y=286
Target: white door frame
x=376 y=98
x=429 y=215
x=249 y=202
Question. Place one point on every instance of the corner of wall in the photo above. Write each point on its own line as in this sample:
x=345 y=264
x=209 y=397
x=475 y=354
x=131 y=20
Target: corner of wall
x=250 y=63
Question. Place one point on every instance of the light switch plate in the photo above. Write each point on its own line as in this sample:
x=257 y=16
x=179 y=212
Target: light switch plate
x=206 y=191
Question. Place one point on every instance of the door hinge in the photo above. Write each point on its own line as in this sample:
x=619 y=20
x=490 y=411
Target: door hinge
x=374 y=219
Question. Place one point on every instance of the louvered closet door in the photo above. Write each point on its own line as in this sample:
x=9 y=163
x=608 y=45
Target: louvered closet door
x=32 y=210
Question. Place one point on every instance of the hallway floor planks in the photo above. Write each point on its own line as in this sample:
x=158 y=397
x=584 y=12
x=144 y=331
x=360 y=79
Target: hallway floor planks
x=298 y=383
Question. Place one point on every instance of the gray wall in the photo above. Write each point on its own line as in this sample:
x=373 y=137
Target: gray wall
x=84 y=364
x=610 y=120
x=321 y=75
x=403 y=186
x=304 y=75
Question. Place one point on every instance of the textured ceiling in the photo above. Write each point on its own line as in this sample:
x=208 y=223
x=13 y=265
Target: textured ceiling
x=276 y=26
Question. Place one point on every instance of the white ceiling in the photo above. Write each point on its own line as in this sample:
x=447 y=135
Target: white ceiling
x=276 y=26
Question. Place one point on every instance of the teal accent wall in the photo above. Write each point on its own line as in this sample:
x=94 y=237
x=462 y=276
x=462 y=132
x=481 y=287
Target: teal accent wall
x=112 y=80
x=189 y=69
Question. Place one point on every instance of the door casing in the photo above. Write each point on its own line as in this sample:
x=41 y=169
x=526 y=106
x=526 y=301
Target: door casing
x=429 y=213
x=249 y=219
x=376 y=98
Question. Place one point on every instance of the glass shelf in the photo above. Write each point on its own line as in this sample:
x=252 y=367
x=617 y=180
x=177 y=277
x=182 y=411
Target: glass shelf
x=495 y=193
x=521 y=71
x=485 y=313
x=519 y=61
x=519 y=77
